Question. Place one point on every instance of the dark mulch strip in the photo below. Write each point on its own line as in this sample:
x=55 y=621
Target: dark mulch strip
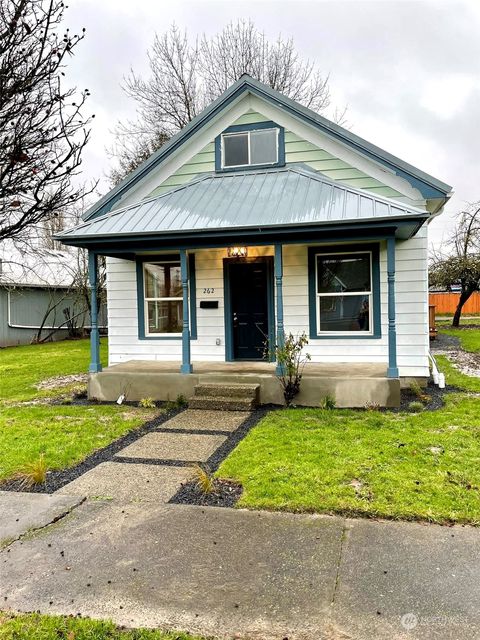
x=225 y=494
x=57 y=479
x=444 y=342
x=436 y=394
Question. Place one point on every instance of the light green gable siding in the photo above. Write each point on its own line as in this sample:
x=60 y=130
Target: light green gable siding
x=203 y=162
x=301 y=151
x=297 y=151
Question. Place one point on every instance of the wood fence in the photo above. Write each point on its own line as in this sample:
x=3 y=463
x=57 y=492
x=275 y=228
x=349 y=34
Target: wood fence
x=447 y=303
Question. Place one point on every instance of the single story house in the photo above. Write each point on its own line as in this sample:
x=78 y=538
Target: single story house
x=38 y=297
x=258 y=219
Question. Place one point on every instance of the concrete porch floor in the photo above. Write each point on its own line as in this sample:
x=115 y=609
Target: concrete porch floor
x=160 y=380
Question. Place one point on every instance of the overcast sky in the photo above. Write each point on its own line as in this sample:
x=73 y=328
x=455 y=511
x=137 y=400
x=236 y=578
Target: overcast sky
x=409 y=71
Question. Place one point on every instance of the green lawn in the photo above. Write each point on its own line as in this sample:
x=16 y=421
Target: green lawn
x=64 y=434
x=22 y=367
x=396 y=465
x=469 y=338
x=37 y=627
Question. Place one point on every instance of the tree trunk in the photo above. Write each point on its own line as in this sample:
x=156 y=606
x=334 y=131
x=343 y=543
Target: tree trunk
x=464 y=296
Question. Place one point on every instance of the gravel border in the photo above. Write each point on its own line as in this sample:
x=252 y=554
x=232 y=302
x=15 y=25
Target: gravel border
x=225 y=494
x=58 y=479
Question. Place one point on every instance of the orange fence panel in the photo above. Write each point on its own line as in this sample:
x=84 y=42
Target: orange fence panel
x=447 y=303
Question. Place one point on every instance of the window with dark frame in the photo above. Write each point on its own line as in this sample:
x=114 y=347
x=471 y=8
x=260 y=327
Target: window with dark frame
x=163 y=298
x=250 y=148
x=344 y=293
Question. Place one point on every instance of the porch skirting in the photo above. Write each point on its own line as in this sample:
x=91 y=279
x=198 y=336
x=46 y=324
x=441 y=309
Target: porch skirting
x=351 y=385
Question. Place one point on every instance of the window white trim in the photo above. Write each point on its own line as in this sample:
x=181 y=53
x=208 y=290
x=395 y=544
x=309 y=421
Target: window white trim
x=248 y=133
x=146 y=300
x=368 y=293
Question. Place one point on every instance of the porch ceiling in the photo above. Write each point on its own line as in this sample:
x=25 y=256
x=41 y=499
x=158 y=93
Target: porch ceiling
x=254 y=202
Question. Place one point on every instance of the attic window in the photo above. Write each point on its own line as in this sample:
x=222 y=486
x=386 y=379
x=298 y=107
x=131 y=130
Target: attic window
x=250 y=148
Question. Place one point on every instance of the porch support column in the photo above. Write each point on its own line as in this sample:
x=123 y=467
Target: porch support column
x=95 y=365
x=392 y=371
x=186 y=364
x=278 y=268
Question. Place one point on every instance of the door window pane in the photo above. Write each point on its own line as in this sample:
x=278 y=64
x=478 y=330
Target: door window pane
x=163 y=280
x=235 y=150
x=165 y=316
x=342 y=273
x=263 y=146
x=345 y=313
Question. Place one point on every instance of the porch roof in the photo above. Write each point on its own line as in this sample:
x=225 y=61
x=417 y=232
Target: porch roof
x=252 y=201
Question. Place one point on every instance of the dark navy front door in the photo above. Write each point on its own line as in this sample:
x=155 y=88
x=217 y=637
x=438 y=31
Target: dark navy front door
x=249 y=309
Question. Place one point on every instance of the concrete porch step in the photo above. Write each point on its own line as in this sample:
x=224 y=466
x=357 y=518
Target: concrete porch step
x=233 y=389
x=222 y=403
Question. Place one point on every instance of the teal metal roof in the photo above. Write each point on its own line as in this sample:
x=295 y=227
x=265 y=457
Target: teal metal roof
x=429 y=186
x=290 y=196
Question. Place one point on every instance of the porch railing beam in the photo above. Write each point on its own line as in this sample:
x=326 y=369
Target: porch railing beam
x=186 y=360
x=392 y=371
x=95 y=365
x=278 y=269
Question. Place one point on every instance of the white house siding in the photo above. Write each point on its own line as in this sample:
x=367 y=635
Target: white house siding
x=411 y=310
x=411 y=297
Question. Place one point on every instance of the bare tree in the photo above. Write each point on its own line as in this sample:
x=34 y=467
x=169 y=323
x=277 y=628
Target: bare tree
x=42 y=129
x=185 y=76
x=462 y=265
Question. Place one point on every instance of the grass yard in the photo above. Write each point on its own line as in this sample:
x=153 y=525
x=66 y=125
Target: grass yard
x=469 y=338
x=28 y=626
x=22 y=367
x=64 y=434
x=422 y=466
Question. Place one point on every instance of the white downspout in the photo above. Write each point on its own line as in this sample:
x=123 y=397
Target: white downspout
x=438 y=378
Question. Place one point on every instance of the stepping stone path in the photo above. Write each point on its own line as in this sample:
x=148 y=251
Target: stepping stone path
x=152 y=468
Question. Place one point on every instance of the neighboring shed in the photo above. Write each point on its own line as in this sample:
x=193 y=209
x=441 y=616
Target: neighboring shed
x=36 y=293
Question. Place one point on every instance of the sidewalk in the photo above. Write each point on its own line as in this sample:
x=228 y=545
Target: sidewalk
x=246 y=574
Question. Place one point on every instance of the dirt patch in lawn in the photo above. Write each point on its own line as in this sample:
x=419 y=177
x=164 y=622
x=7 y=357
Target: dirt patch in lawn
x=466 y=362
x=50 y=384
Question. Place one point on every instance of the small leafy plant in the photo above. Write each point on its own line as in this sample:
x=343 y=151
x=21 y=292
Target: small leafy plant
x=203 y=479
x=418 y=391
x=179 y=402
x=328 y=402
x=292 y=360
x=33 y=473
x=147 y=403
x=372 y=406
x=416 y=406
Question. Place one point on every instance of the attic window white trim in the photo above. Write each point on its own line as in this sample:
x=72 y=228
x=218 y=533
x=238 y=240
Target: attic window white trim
x=249 y=133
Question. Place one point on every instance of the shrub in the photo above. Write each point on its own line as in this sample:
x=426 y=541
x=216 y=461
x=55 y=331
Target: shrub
x=292 y=360
x=415 y=407
x=203 y=479
x=328 y=402
x=179 y=402
x=33 y=473
x=147 y=403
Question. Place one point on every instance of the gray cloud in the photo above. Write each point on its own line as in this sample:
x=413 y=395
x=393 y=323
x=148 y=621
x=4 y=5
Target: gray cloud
x=387 y=60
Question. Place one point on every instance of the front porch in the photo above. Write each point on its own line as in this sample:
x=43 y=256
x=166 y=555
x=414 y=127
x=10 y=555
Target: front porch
x=351 y=385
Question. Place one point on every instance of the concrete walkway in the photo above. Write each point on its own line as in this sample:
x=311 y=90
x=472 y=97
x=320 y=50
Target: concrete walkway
x=235 y=573
x=153 y=467
x=24 y=512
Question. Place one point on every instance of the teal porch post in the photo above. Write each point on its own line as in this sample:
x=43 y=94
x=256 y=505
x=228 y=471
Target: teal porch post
x=278 y=268
x=95 y=365
x=392 y=371
x=186 y=364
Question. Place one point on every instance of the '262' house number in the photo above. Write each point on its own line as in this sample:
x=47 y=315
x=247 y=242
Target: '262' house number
x=208 y=290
